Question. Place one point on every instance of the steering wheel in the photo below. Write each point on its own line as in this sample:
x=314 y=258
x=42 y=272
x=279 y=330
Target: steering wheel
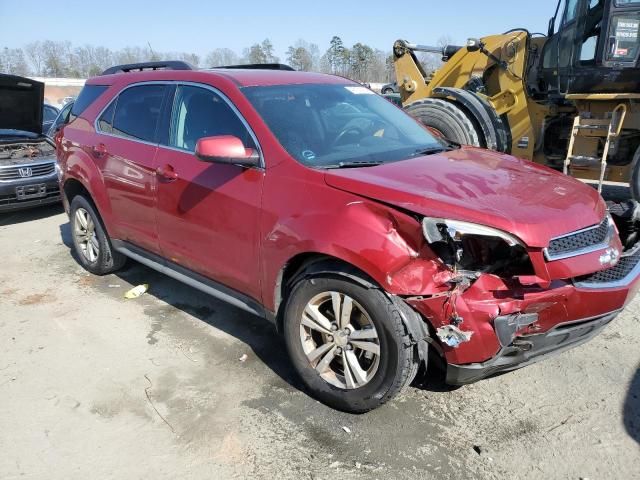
x=346 y=131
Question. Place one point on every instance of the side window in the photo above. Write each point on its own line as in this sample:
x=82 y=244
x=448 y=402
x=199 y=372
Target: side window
x=137 y=112
x=105 y=122
x=87 y=96
x=572 y=11
x=199 y=112
x=49 y=113
x=592 y=30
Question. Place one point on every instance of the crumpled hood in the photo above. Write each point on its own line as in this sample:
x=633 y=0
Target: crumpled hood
x=21 y=101
x=530 y=201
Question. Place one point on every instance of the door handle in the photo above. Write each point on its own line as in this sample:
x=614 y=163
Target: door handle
x=99 y=150
x=167 y=173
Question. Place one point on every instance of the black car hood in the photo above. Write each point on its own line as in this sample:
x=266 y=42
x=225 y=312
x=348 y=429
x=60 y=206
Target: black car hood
x=21 y=101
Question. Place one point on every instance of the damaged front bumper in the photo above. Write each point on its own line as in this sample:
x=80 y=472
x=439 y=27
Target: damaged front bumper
x=528 y=349
x=508 y=326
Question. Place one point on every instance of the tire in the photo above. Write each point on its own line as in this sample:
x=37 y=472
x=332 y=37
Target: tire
x=634 y=183
x=380 y=377
x=387 y=91
x=447 y=118
x=96 y=255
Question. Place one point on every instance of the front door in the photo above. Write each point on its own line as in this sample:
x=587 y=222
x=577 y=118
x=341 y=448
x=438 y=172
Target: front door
x=208 y=214
x=126 y=151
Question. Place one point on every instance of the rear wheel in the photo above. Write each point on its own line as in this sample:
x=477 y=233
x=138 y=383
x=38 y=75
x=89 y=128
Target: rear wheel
x=348 y=343
x=90 y=240
x=448 y=119
x=387 y=91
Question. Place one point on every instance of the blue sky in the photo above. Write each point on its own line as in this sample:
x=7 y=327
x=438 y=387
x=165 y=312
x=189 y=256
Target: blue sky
x=200 y=26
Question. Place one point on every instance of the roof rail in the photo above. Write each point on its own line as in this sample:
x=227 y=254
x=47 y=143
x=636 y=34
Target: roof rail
x=160 y=65
x=261 y=66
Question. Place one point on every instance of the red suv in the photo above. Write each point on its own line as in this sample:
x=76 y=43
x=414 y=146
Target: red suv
x=371 y=244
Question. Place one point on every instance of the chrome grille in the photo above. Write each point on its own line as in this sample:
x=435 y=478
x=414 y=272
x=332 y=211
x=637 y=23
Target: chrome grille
x=37 y=170
x=624 y=267
x=580 y=242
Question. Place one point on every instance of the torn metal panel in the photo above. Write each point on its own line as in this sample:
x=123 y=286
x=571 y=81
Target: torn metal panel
x=452 y=336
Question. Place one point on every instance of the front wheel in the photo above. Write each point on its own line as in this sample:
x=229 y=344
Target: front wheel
x=348 y=343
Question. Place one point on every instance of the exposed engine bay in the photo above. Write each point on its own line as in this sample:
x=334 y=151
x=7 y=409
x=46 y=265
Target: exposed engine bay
x=18 y=153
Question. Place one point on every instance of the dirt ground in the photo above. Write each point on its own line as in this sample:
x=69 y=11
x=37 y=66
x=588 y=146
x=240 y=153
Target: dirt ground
x=96 y=386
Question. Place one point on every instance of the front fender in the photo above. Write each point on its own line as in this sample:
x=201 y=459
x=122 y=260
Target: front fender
x=384 y=243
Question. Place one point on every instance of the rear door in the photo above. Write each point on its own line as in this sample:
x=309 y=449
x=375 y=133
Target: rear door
x=208 y=214
x=126 y=149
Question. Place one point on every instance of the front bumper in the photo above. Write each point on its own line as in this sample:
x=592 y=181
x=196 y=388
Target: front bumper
x=10 y=199
x=510 y=326
x=528 y=349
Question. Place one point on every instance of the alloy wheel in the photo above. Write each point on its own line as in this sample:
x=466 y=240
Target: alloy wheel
x=340 y=340
x=84 y=230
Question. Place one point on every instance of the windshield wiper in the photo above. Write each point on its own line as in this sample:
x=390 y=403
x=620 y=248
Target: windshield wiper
x=353 y=164
x=429 y=151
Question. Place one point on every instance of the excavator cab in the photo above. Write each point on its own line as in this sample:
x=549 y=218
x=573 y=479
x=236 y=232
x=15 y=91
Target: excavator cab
x=592 y=46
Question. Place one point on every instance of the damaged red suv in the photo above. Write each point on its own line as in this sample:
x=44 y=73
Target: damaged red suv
x=314 y=202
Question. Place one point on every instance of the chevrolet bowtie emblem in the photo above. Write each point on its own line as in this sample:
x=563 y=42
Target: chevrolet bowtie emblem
x=610 y=257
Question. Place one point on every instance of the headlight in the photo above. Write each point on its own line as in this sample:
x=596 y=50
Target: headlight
x=473 y=247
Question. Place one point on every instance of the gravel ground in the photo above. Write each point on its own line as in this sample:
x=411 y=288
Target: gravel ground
x=96 y=386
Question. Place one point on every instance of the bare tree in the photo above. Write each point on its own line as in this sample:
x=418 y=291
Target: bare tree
x=56 y=62
x=220 y=57
x=35 y=55
x=12 y=61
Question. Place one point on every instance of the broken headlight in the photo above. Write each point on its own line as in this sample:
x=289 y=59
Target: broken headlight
x=476 y=248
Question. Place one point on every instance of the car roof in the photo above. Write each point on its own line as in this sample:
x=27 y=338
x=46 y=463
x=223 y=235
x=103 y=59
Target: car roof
x=241 y=77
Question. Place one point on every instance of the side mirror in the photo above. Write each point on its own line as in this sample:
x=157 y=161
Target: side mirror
x=551 y=27
x=226 y=149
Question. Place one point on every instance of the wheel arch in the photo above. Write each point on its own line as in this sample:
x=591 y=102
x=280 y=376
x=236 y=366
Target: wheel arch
x=308 y=264
x=314 y=263
x=83 y=177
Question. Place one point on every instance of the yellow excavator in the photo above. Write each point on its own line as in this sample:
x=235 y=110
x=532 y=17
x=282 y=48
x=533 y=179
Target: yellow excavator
x=569 y=99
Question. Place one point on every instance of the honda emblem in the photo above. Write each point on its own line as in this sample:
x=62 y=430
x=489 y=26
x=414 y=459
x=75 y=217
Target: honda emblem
x=25 y=172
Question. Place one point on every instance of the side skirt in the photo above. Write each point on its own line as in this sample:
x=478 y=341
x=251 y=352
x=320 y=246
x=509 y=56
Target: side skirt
x=191 y=278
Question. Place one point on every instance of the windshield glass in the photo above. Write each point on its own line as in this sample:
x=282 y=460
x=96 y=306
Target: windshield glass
x=328 y=126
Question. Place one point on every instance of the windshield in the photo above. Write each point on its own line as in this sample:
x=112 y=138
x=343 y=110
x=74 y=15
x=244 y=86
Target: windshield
x=328 y=126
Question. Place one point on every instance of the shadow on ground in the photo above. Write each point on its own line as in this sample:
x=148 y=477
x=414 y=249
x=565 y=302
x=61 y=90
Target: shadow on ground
x=631 y=408
x=32 y=214
x=254 y=331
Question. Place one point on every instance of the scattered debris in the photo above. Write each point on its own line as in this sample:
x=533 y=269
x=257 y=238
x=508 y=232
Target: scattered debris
x=335 y=464
x=477 y=449
x=244 y=357
x=188 y=357
x=137 y=291
x=560 y=424
x=453 y=336
x=346 y=429
x=114 y=286
x=146 y=392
